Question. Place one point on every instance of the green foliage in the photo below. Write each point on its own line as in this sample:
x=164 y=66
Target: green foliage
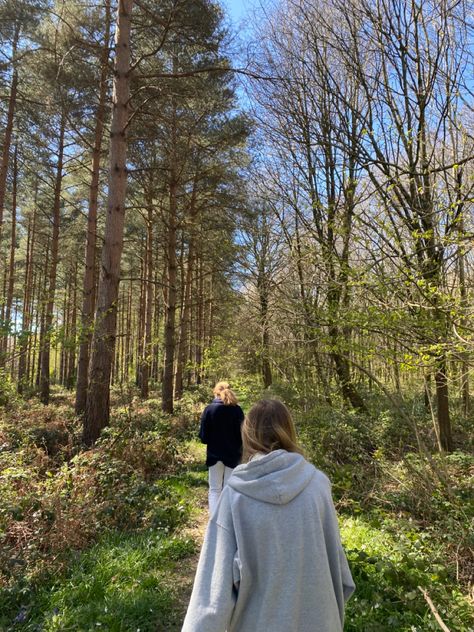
x=56 y=500
x=187 y=412
x=389 y=560
x=248 y=389
x=222 y=359
x=406 y=519
x=335 y=439
x=122 y=583
x=8 y=394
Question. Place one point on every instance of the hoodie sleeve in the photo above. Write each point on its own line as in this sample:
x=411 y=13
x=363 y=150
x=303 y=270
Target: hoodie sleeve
x=203 y=425
x=214 y=594
x=341 y=575
x=348 y=585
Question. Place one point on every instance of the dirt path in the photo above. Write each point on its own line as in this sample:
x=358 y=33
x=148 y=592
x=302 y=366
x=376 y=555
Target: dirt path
x=184 y=576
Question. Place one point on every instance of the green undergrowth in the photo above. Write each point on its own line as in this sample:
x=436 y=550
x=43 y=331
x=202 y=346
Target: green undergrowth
x=125 y=582
x=94 y=539
x=407 y=519
x=391 y=561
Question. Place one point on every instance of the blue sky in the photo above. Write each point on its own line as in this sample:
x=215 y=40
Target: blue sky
x=238 y=9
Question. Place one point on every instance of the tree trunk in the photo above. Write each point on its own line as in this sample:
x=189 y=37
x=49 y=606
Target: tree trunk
x=262 y=285
x=40 y=317
x=168 y=370
x=141 y=316
x=185 y=313
x=199 y=320
x=89 y=289
x=184 y=325
x=156 y=331
x=71 y=363
x=50 y=295
x=11 y=267
x=128 y=335
x=27 y=302
x=7 y=139
x=103 y=342
x=170 y=334
x=349 y=392
x=65 y=334
x=147 y=346
x=442 y=400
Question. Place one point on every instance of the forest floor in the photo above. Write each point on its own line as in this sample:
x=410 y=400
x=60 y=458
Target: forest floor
x=108 y=539
x=194 y=530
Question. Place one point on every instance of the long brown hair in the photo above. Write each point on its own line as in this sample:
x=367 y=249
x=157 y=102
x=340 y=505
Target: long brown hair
x=224 y=392
x=268 y=426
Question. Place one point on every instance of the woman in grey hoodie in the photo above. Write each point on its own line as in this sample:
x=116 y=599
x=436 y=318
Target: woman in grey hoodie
x=272 y=559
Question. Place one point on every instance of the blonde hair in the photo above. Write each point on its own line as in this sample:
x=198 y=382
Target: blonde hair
x=224 y=392
x=268 y=426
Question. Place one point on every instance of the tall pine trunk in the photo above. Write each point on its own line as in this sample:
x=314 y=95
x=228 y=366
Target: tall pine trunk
x=11 y=267
x=103 y=342
x=171 y=276
x=147 y=341
x=88 y=296
x=27 y=303
x=54 y=255
x=170 y=310
x=185 y=312
x=71 y=354
x=7 y=139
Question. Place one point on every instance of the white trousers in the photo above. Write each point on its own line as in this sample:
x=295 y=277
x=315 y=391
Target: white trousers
x=218 y=477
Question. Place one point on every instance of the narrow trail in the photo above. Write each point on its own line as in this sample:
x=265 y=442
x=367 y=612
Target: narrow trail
x=185 y=575
x=194 y=530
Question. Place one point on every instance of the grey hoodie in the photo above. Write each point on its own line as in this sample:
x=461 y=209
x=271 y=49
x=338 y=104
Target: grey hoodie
x=272 y=559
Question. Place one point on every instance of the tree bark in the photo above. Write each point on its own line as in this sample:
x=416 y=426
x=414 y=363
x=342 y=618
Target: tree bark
x=103 y=342
x=11 y=267
x=147 y=343
x=27 y=301
x=185 y=315
x=170 y=342
x=172 y=267
x=54 y=256
x=89 y=289
x=8 y=131
x=71 y=362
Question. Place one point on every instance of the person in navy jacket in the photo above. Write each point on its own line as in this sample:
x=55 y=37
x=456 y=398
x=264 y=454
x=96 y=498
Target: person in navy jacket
x=220 y=431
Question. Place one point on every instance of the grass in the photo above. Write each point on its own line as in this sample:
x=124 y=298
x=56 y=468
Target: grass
x=389 y=561
x=126 y=582
x=123 y=583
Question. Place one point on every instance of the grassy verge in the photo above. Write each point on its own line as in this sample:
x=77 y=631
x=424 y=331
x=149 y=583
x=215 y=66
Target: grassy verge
x=120 y=584
x=390 y=562
x=97 y=539
x=125 y=582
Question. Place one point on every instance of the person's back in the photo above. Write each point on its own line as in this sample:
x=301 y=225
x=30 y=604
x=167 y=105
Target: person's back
x=291 y=567
x=220 y=430
x=272 y=557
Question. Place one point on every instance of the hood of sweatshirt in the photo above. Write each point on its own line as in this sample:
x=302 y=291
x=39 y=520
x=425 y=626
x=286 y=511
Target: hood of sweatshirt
x=275 y=478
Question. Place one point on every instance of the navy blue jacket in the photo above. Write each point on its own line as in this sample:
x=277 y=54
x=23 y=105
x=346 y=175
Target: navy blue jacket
x=220 y=430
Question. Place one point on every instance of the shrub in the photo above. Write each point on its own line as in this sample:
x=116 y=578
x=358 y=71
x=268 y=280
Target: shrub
x=8 y=394
x=390 y=560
